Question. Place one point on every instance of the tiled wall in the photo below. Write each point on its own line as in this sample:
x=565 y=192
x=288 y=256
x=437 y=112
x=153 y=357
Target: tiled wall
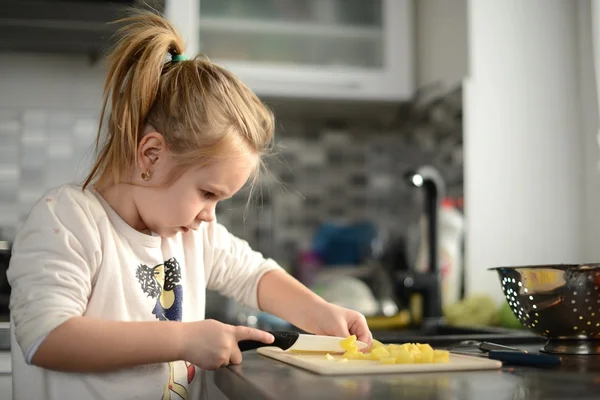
x=39 y=150
x=337 y=176
x=320 y=174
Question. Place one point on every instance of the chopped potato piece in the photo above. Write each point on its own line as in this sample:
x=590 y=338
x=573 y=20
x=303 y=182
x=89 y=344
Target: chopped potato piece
x=353 y=355
x=343 y=360
x=329 y=357
x=406 y=353
x=426 y=356
x=406 y=347
x=380 y=352
x=441 y=356
x=403 y=357
x=423 y=346
x=387 y=360
x=349 y=344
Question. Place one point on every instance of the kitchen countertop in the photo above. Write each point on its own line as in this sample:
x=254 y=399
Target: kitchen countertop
x=259 y=377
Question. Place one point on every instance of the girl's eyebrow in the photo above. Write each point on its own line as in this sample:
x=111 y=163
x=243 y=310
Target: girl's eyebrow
x=216 y=190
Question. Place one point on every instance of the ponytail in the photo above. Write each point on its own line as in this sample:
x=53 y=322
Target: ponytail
x=202 y=110
x=131 y=87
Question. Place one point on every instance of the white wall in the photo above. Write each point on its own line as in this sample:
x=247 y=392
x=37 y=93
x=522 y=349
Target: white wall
x=524 y=157
x=441 y=42
x=49 y=108
x=589 y=128
x=49 y=81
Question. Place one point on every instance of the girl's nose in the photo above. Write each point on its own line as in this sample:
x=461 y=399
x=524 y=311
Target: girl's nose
x=207 y=214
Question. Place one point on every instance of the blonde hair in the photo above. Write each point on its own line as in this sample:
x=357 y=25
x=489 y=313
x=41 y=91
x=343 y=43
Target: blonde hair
x=203 y=111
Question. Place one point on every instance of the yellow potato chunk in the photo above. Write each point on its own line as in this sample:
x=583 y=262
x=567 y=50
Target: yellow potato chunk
x=387 y=360
x=423 y=347
x=354 y=355
x=349 y=344
x=441 y=356
x=403 y=357
x=425 y=357
x=343 y=360
x=406 y=347
x=329 y=357
x=380 y=352
x=405 y=353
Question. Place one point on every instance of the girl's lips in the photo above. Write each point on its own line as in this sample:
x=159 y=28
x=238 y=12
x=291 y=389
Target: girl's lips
x=185 y=229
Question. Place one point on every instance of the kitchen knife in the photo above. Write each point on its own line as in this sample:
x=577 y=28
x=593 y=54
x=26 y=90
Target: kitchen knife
x=294 y=341
x=516 y=358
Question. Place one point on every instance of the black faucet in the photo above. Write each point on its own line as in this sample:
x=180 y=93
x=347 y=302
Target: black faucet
x=428 y=283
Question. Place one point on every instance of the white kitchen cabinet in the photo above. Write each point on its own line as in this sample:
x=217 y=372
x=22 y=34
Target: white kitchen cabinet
x=5 y=387
x=335 y=49
x=441 y=42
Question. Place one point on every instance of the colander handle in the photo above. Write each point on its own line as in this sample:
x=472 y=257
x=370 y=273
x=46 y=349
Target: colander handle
x=528 y=359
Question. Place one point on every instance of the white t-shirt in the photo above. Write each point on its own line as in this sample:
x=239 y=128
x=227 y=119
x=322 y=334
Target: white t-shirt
x=75 y=256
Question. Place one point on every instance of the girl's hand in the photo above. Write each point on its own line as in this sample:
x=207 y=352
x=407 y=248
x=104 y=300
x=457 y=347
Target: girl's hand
x=333 y=320
x=211 y=344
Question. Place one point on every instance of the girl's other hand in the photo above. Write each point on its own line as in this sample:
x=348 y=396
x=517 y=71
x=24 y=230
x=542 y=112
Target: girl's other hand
x=330 y=319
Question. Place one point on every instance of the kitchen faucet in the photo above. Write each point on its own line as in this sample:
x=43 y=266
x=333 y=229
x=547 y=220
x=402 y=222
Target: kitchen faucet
x=428 y=284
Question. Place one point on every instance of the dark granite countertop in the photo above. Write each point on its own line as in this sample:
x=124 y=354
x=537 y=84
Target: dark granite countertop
x=259 y=377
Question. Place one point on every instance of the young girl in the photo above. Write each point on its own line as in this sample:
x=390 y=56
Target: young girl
x=108 y=279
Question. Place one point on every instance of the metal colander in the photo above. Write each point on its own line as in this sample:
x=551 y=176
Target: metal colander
x=560 y=302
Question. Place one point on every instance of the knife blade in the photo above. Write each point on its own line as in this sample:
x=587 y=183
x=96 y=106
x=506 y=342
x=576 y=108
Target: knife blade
x=295 y=341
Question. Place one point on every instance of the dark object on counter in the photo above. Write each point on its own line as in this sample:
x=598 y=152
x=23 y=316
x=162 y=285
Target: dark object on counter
x=507 y=354
x=559 y=301
x=485 y=346
x=515 y=358
x=429 y=283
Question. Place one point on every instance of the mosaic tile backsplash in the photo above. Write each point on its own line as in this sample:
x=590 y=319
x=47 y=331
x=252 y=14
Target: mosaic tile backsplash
x=318 y=174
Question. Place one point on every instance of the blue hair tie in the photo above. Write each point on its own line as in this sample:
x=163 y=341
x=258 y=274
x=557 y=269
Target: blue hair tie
x=178 y=57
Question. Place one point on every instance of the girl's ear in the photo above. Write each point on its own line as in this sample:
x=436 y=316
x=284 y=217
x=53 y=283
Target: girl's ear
x=151 y=150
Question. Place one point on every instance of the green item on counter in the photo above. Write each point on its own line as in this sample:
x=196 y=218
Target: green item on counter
x=507 y=318
x=476 y=310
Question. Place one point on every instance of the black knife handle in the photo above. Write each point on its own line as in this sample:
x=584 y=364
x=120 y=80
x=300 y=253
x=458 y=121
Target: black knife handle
x=283 y=339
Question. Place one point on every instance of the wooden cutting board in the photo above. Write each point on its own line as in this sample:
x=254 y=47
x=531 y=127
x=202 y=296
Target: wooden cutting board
x=319 y=365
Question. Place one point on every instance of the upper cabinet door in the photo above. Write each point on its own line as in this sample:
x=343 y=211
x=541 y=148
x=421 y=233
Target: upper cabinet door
x=346 y=49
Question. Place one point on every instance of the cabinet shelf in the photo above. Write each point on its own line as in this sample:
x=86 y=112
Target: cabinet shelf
x=241 y=25
x=315 y=49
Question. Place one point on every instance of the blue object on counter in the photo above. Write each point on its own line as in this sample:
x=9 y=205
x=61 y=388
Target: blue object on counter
x=344 y=245
x=273 y=322
x=518 y=358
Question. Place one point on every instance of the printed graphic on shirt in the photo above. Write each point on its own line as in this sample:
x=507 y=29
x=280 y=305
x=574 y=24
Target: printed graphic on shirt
x=163 y=283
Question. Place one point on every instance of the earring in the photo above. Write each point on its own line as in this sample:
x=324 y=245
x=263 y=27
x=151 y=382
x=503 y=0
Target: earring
x=146 y=175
